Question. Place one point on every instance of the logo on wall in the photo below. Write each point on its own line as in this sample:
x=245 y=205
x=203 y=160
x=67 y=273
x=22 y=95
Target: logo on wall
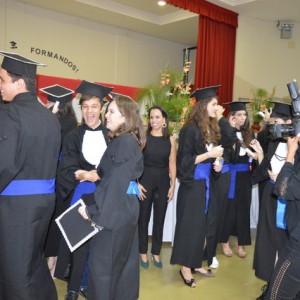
x=13 y=45
x=54 y=55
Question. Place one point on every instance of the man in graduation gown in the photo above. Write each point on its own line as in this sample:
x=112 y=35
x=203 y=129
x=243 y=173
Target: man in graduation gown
x=30 y=143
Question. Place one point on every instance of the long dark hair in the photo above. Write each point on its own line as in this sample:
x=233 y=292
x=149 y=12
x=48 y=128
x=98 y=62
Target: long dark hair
x=208 y=126
x=246 y=131
x=165 y=130
x=133 y=122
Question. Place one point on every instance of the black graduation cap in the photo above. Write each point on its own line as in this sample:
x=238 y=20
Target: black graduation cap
x=237 y=105
x=281 y=109
x=203 y=93
x=58 y=93
x=19 y=65
x=93 y=89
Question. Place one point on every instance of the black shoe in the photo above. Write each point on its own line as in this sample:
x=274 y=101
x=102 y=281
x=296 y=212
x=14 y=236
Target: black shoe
x=83 y=293
x=71 y=296
x=264 y=290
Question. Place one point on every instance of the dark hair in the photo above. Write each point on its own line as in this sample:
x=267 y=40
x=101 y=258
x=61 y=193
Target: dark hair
x=30 y=83
x=246 y=131
x=65 y=109
x=133 y=122
x=208 y=127
x=165 y=130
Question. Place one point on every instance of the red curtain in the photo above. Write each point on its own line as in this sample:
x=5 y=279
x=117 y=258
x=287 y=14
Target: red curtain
x=215 y=57
x=207 y=9
x=216 y=45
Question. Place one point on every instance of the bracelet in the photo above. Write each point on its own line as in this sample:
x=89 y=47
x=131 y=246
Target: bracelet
x=93 y=224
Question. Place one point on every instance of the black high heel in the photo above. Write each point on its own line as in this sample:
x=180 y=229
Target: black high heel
x=191 y=283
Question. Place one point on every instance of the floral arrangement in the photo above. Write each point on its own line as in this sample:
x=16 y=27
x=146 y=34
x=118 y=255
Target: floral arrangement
x=260 y=100
x=172 y=93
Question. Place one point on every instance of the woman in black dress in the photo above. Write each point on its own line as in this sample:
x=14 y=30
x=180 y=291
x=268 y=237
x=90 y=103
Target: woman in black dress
x=114 y=257
x=157 y=183
x=197 y=152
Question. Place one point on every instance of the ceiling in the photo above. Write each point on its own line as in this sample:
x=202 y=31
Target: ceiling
x=168 y=22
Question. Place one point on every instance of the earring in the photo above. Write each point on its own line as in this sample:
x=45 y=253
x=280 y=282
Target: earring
x=164 y=125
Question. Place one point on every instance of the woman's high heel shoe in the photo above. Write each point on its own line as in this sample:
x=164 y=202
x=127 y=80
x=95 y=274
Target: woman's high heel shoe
x=157 y=264
x=144 y=264
x=191 y=283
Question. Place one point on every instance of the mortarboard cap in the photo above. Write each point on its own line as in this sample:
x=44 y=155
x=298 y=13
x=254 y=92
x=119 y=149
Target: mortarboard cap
x=58 y=93
x=93 y=89
x=281 y=110
x=112 y=96
x=19 y=65
x=237 y=105
x=205 y=93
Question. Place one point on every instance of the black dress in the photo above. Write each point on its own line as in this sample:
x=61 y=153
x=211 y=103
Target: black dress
x=156 y=181
x=114 y=259
x=191 y=219
x=30 y=143
x=269 y=238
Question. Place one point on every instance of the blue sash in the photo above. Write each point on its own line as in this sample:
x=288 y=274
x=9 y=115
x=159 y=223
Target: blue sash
x=82 y=188
x=29 y=187
x=202 y=171
x=235 y=168
x=133 y=188
x=225 y=168
x=280 y=211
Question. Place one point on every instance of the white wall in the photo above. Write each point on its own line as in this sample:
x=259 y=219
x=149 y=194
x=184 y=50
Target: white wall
x=95 y=52
x=263 y=60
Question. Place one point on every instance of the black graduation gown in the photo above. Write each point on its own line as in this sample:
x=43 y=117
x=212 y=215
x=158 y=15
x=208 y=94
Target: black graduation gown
x=67 y=123
x=220 y=188
x=114 y=259
x=191 y=220
x=71 y=161
x=237 y=220
x=30 y=142
x=269 y=238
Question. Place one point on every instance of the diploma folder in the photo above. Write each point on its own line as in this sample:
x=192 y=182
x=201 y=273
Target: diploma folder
x=74 y=228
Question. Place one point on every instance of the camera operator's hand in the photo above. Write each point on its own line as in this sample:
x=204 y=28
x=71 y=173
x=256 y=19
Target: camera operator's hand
x=267 y=115
x=292 y=144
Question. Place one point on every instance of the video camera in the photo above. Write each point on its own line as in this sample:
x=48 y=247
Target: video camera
x=286 y=130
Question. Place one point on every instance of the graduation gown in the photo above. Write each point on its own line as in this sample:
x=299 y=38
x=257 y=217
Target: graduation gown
x=269 y=238
x=237 y=219
x=191 y=220
x=114 y=259
x=67 y=123
x=30 y=142
x=74 y=159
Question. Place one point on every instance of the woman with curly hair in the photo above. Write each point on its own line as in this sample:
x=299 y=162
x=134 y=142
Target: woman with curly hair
x=196 y=162
x=237 y=214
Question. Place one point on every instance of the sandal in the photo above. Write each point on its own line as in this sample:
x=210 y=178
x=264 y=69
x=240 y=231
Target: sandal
x=208 y=274
x=241 y=252
x=191 y=283
x=227 y=251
